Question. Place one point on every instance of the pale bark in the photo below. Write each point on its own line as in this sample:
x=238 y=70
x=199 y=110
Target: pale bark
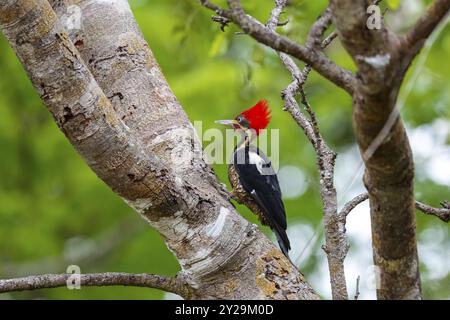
x=144 y=280
x=114 y=105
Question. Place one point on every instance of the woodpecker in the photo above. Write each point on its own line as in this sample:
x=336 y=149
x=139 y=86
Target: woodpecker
x=253 y=180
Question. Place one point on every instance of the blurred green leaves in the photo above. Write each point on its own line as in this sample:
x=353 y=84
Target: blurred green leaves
x=48 y=195
x=393 y=4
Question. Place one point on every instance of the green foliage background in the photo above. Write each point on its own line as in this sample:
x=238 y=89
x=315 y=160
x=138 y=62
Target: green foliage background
x=54 y=211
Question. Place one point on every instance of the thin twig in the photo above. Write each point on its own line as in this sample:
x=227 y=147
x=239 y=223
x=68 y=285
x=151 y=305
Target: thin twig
x=323 y=65
x=222 y=21
x=329 y=39
x=218 y=10
x=336 y=241
x=357 y=288
x=313 y=117
x=314 y=39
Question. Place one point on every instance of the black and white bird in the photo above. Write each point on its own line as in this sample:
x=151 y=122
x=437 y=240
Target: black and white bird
x=252 y=177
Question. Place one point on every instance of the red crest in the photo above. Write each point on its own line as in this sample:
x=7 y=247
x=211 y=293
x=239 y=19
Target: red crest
x=258 y=116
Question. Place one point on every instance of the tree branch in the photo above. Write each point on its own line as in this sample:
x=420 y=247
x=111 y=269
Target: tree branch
x=142 y=145
x=317 y=30
x=336 y=240
x=388 y=162
x=441 y=213
x=357 y=288
x=349 y=206
x=318 y=61
x=218 y=10
x=45 y=281
x=416 y=36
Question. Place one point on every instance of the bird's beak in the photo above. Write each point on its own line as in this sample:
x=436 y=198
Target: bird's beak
x=227 y=122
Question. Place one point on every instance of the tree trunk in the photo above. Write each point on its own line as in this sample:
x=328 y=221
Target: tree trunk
x=384 y=148
x=109 y=97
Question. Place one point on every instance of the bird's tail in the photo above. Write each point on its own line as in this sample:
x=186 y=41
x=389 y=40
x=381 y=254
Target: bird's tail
x=283 y=240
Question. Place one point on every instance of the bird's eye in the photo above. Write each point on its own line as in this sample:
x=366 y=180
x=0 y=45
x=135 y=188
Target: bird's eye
x=240 y=119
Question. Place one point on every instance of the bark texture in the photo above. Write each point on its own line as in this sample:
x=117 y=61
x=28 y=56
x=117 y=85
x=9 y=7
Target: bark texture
x=107 y=94
x=96 y=279
x=388 y=159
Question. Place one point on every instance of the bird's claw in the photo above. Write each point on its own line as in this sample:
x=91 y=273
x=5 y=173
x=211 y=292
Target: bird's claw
x=230 y=194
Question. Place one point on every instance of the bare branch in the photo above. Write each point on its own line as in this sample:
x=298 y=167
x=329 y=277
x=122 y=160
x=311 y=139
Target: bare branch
x=441 y=213
x=291 y=106
x=314 y=39
x=329 y=39
x=168 y=284
x=218 y=10
x=416 y=36
x=299 y=78
x=336 y=241
x=312 y=114
x=349 y=206
x=222 y=21
x=357 y=288
x=274 y=19
x=318 y=61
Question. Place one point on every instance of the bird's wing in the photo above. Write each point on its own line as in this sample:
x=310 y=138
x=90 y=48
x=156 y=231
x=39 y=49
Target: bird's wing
x=279 y=231
x=259 y=180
